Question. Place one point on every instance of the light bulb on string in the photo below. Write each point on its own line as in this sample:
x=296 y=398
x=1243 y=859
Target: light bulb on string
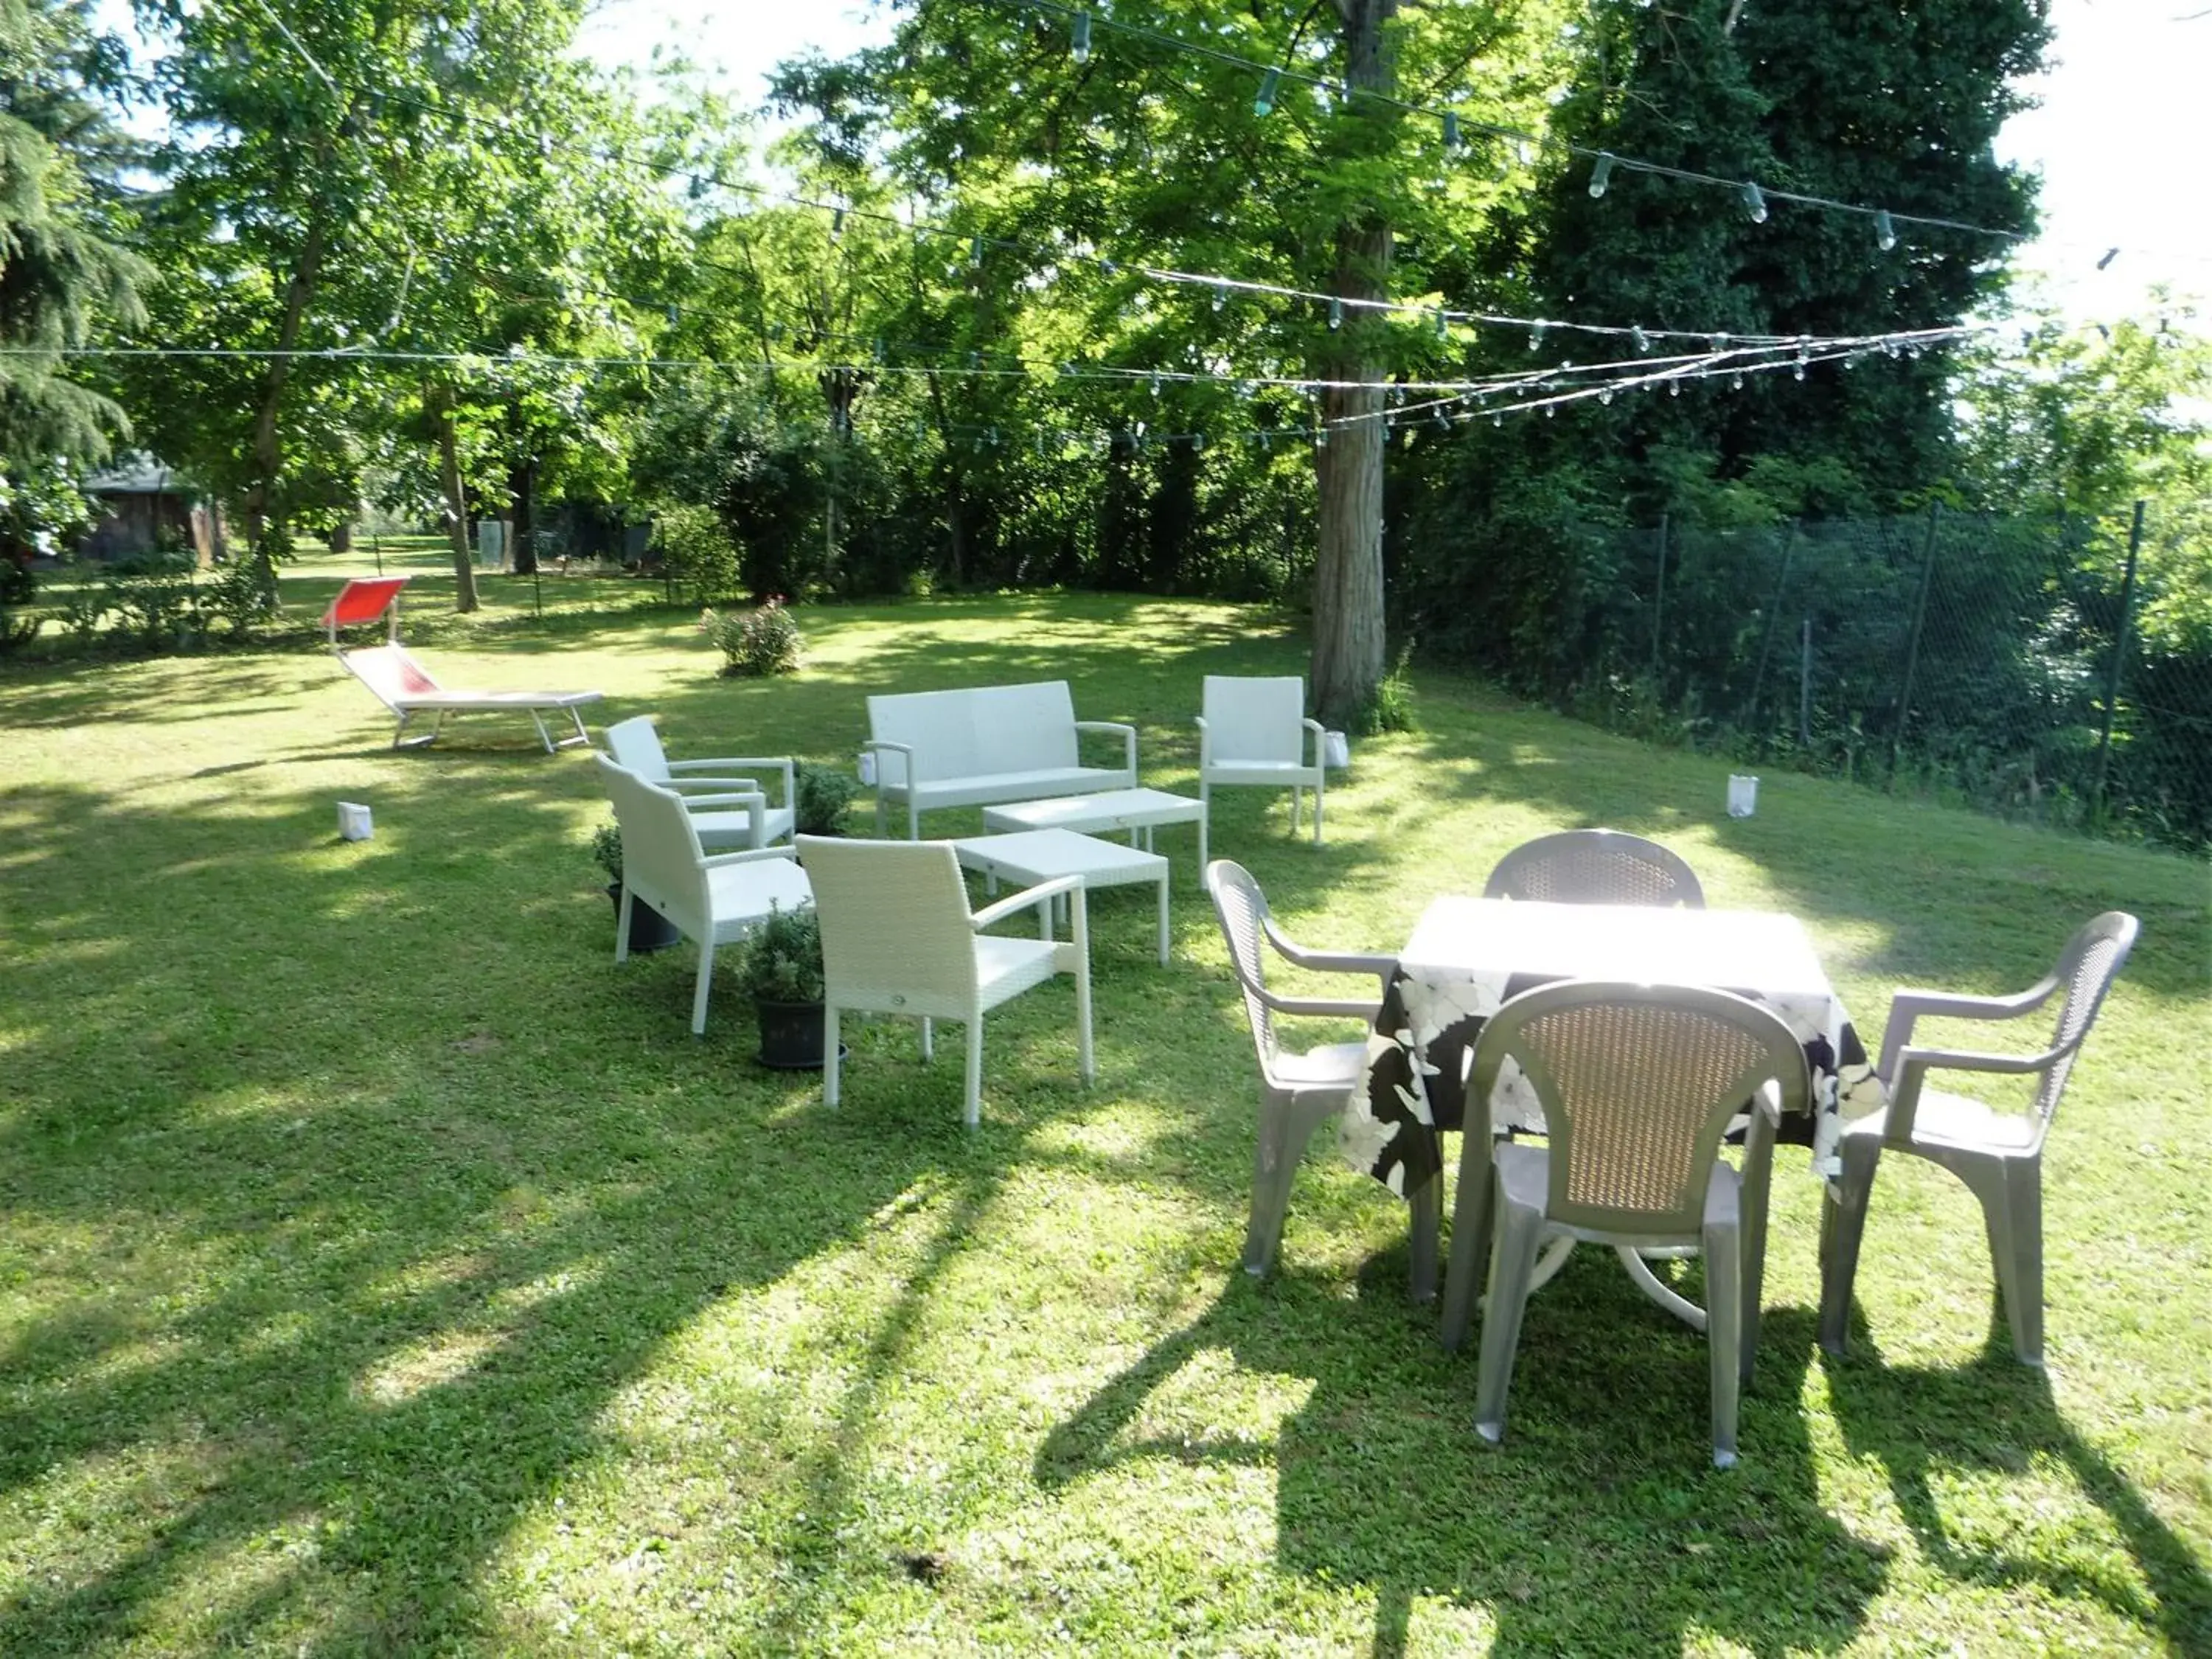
x=1079 y=46
x=1735 y=381
x=1452 y=139
x=1755 y=203
x=975 y=251
x=1643 y=340
x=1885 y=231
x=1321 y=437
x=1536 y=336
x=1156 y=386
x=1444 y=324
x=1674 y=388
x=1335 y=313
x=1498 y=420
x=1270 y=84
x=1605 y=396
x=1602 y=173
x=1197 y=443
x=1220 y=295
x=836 y=223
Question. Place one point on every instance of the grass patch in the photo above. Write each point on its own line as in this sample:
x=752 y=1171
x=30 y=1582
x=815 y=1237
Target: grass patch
x=386 y=1271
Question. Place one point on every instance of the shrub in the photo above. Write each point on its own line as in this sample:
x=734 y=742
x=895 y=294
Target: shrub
x=762 y=641
x=782 y=961
x=152 y=596
x=823 y=794
x=606 y=847
x=242 y=595
x=696 y=552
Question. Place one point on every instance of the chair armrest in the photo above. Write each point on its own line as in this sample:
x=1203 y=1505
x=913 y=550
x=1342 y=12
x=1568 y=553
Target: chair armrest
x=1913 y=1066
x=734 y=798
x=1351 y=1007
x=750 y=855
x=1908 y=1004
x=685 y=786
x=1330 y=962
x=1013 y=903
x=881 y=746
x=1205 y=742
x=1128 y=734
x=1320 y=735
x=782 y=763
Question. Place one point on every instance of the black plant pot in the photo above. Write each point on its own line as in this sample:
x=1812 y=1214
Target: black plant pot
x=791 y=1035
x=648 y=929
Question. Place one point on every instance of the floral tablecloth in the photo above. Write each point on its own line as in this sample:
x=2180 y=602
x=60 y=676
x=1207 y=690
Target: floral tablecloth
x=1469 y=956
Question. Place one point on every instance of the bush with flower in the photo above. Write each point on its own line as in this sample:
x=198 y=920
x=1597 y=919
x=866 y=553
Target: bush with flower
x=762 y=640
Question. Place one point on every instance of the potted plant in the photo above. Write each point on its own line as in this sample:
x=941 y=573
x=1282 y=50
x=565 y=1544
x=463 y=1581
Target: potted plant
x=780 y=968
x=648 y=929
x=823 y=794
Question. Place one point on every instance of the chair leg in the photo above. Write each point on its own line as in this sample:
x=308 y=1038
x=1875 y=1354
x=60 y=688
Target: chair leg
x=1297 y=799
x=2010 y=1191
x=1843 y=1225
x=1317 y=794
x=1078 y=931
x=622 y=924
x=928 y=1040
x=699 y=996
x=1724 y=1320
x=1470 y=1249
x=1513 y=1259
x=1204 y=817
x=1424 y=1223
x=830 y=1055
x=972 y=1112
x=1758 y=1182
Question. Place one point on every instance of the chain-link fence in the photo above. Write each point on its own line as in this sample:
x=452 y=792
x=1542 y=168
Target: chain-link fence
x=2003 y=662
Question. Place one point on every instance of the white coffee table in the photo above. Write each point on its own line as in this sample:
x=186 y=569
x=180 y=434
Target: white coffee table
x=1137 y=810
x=1030 y=856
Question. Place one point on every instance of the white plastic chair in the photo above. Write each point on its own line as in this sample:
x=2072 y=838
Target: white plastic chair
x=1999 y=1155
x=714 y=900
x=1637 y=1084
x=1254 y=733
x=1300 y=1092
x=899 y=938
x=741 y=817
x=1595 y=866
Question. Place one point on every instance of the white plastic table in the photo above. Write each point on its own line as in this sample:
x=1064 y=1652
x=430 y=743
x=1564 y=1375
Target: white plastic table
x=1137 y=810
x=1031 y=856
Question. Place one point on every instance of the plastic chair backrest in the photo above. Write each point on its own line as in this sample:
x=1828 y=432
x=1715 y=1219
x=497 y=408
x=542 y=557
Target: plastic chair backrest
x=1637 y=1084
x=1595 y=866
x=661 y=856
x=1241 y=909
x=895 y=921
x=1254 y=720
x=637 y=747
x=2086 y=968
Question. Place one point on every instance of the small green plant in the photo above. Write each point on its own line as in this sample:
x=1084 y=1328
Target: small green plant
x=782 y=958
x=824 y=794
x=606 y=847
x=759 y=641
x=241 y=595
x=152 y=596
x=1393 y=708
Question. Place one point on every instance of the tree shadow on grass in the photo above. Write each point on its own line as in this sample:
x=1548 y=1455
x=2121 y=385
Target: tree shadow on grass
x=1925 y=1425
x=1603 y=1482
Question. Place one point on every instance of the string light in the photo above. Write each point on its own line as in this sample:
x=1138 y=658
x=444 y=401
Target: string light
x=1600 y=173
x=1335 y=313
x=1885 y=231
x=1079 y=46
x=1269 y=83
x=1755 y=203
x=1452 y=139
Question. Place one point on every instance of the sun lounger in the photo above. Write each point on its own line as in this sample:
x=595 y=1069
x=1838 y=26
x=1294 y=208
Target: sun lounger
x=407 y=689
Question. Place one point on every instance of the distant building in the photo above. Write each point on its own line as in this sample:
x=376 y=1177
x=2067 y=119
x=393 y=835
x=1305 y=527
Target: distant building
x=145 y=506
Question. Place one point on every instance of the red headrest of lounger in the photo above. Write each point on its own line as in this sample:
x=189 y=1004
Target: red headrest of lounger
x=362 y=600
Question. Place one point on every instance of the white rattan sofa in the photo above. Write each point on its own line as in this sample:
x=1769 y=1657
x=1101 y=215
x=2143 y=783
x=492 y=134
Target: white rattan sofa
x=984 y=744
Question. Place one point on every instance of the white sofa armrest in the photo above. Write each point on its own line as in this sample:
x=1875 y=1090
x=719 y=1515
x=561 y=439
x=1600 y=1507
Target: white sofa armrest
x=1128 y=735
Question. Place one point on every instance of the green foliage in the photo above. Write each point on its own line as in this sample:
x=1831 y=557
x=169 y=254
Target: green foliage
x=824 y=794
x=1392 y=709
x=607 y=850
x=759 y=641
x=696 y=553
x=781 y=960
x=152 y=600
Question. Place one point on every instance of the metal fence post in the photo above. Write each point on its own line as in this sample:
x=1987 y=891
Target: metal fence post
x=1912 y=645
x=1774 y=616
x=2119 y=656
x=1805 y=685
x=1659 y=600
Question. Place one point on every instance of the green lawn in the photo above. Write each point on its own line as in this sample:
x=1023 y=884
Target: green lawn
x=383 y=1270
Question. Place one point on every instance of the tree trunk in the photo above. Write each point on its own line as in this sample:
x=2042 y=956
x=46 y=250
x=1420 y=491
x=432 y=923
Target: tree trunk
x=456 y=506
x=268 y=448
x=342 y=537
x=522 y=513
x=1347 y=590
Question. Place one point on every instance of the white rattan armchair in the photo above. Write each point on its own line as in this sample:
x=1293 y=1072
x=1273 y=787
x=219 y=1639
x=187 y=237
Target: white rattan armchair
x=1637 y=1084
x=1254 y=733
x=739 y=815
x=1595 y=866
x=714 y=900
x=1998 y=1155
x=899 y=938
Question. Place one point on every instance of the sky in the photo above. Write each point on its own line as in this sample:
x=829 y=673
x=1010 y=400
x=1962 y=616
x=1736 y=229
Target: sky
x=2120 y=136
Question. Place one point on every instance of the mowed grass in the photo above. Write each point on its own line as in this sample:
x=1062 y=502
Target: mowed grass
x=384 y=1270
